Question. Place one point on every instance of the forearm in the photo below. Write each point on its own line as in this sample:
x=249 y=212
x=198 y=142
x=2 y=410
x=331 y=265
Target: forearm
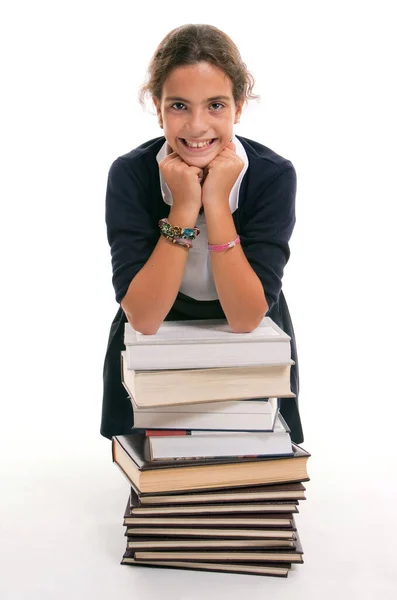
x=239 y=289
x=153 y=290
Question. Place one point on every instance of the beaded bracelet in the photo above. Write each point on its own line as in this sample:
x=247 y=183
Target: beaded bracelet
x=177 y=241
x=186 y=233
x=221 y=247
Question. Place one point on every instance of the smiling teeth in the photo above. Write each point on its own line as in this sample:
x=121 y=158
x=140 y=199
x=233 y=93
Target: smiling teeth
x=198 y=145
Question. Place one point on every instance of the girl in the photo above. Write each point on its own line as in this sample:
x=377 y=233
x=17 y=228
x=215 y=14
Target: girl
x=239 y=194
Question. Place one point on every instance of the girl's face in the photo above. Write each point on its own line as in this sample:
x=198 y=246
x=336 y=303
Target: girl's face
x=197 y=108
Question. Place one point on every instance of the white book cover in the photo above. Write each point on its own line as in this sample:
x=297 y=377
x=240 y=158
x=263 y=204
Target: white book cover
x=206 y=344
x=280 y=426
x=213 y=416
x=204 y=331
x=223 y=443
x=204 y=421
x=234 y=407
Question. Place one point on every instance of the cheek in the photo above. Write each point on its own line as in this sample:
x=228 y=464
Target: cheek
x=226 y=128
x=172 y=120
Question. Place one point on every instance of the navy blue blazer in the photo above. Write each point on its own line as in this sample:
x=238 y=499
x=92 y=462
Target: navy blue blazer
x=264 y=220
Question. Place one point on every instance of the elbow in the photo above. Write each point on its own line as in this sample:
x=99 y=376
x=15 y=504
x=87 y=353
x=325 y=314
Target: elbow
x=141 y=324
x=145 y=327
x=146 y=330
x=250 y=323
x=243 y=328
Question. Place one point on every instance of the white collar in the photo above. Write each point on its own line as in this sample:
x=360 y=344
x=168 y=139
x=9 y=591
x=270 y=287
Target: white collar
x=234 y=194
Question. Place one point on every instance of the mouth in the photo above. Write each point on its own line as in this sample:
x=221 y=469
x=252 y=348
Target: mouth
x=201 y=146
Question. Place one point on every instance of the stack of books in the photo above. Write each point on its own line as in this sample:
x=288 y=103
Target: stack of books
x=215 y=481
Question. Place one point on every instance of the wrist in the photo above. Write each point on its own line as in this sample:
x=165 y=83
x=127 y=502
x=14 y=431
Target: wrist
x=217 y=206
x=183 y=216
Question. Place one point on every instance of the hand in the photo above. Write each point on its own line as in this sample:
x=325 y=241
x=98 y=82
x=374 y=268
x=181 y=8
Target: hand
x=221 y=174
x=183 y=180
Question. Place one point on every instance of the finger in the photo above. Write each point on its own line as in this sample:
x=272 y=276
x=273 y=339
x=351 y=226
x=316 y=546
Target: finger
x=227 y=152
x=231 y=146
x=220 y=158
x=170 y=158
x=200 y=176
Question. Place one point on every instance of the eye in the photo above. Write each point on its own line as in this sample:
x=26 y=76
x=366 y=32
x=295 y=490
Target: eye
x=177 y=104
x=217 y=104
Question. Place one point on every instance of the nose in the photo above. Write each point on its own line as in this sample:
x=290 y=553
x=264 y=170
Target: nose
x=196 y=123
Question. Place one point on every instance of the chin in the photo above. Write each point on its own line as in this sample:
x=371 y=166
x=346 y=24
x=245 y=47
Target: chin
x=198 y=162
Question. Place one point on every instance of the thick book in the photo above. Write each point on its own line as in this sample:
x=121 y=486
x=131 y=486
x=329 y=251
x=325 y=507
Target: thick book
x=198 y=444
x=129 y=452
x=147 y=543
x=190 y=386
x=285 y=491
x=269 y=570
x=205 y=344
x=236 y=415
x=263 y=506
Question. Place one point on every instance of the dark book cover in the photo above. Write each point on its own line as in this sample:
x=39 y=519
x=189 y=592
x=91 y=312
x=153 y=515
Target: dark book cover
x=284 y=491
x=292 y=555
x=269 y=570
x=211 y=532
x=171 y=543
x=250 y=521
x=219 y=508
x=219 y=556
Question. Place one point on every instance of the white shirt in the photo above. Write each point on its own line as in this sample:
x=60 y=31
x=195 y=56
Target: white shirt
x=198 y=281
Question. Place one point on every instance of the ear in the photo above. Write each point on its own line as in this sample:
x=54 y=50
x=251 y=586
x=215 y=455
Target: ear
x=239 y=110
x=157 y=105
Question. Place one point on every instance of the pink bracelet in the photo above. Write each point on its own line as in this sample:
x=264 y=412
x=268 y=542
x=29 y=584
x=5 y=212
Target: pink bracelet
x=221 y=247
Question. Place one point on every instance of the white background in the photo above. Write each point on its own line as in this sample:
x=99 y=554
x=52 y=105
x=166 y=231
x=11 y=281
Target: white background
x=70 y=75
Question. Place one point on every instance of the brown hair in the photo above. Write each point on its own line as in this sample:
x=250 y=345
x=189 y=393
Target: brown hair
x=191 y=44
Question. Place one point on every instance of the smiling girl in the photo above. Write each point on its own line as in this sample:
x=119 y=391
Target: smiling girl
x=199 y=220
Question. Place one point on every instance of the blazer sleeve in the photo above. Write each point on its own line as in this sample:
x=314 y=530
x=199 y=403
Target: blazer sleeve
x=131 y=229
x=267 y=228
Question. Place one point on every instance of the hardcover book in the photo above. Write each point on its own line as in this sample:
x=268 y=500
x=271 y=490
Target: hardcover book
x=142 y=543
x=271 y=569
x=227 y=533
x=236 y=415
x=292 y=553
x=206 y=509
x=190 y=386
x=283 y=492
x=233 y=520
x=205 y=344
x=281 y=555
x=131 y=456
x=198 y=444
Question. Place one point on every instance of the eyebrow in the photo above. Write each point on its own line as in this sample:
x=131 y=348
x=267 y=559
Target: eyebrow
x=213 y=99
